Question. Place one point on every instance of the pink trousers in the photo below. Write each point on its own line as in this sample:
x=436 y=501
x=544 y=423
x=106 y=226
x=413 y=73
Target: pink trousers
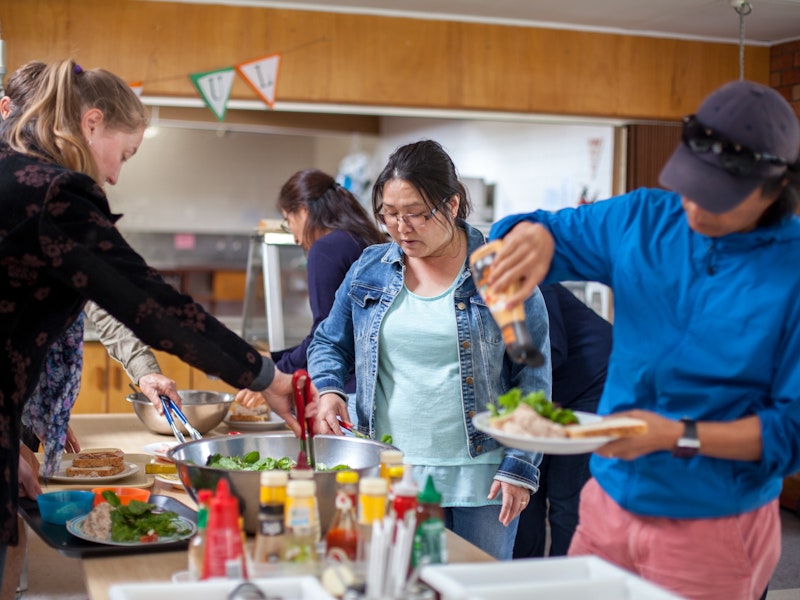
x=726 y=558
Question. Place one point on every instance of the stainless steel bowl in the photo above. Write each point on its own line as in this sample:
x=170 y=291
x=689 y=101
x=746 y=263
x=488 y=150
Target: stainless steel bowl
x=361 y=455
x=204 y=410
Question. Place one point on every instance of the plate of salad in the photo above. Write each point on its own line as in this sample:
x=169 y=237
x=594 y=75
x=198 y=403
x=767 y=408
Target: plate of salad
x=136 y=523
x=545 y=433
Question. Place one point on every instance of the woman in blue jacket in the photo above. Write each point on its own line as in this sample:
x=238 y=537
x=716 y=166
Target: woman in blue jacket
x=706 y=343
x=426 y=351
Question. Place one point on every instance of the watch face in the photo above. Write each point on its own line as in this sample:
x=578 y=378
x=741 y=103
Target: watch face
x=688 y=445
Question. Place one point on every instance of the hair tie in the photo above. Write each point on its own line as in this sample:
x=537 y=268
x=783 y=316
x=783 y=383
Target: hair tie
x=77 y=69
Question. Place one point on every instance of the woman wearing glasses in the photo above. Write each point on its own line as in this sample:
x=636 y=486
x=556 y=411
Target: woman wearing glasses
x=706 y=344
x=426 y=351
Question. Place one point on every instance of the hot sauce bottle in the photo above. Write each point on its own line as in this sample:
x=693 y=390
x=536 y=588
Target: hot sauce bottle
x=343 y=532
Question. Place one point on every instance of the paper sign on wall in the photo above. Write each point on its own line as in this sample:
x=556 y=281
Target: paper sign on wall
x=262 y=75
x=215 y=89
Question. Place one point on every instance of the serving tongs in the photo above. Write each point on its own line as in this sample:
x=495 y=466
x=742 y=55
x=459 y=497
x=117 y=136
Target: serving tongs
x=169 y=408
x=301 y=384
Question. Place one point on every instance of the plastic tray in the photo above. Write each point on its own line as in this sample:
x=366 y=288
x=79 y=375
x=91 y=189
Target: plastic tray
x=286 y=588
x=551 y=578
x=57 y=536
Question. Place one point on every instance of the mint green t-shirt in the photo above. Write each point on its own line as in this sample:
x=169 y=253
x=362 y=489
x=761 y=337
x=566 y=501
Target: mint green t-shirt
x=418 y=398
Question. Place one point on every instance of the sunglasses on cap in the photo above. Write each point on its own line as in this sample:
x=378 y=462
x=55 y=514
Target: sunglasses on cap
x=734 y=158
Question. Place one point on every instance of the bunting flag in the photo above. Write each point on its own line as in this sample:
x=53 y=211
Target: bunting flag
x=136 y=86
x=215 y=89
x=261 y=74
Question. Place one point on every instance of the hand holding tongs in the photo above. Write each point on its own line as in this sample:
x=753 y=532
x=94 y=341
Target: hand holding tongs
x=169 y=405
x=301 y=384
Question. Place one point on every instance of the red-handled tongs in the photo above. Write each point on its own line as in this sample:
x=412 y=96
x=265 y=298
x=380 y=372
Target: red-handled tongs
x=301 y=384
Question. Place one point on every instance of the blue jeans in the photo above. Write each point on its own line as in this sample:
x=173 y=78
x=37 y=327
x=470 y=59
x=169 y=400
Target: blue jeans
x=480 y=526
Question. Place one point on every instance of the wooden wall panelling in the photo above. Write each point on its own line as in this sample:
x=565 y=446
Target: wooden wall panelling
x=381 y=61
x=649 y=148
x=93 y=394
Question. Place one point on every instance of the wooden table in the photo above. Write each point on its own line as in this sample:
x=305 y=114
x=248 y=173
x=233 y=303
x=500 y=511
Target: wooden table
x=125 y=431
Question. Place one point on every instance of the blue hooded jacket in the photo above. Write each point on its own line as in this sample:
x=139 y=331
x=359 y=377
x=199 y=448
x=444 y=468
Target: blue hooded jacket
x=706 y=328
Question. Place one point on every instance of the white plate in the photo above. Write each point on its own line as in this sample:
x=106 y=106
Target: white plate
x=275 y=422
x=170 y=479
x=75 y=527
x=61 y=475
x=545 y=445
x=160 y=449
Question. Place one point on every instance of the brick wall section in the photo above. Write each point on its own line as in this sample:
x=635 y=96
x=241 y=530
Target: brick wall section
x=784 y=67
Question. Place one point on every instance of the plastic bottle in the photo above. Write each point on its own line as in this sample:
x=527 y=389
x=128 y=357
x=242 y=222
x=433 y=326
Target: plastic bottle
x=430 y=542
x=197 y=545
x=271 y=532
x=371 y=508
x=405 y=495
x=224 y=554
x=389 y=458
x=343 y=532
x=308 y=475
x=300 y=545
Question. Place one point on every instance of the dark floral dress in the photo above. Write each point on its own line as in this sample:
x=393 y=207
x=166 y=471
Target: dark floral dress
x=58 y=248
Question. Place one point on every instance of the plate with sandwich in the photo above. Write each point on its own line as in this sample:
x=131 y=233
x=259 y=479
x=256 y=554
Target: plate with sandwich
x=99 y=465
x=532 y=423
x=260 y=418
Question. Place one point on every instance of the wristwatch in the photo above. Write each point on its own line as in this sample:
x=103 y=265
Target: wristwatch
x=688 y=444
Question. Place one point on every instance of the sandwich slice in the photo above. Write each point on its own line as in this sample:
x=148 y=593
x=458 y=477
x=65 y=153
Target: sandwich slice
x=99 y=457
x=95 y=471
x=608 y=427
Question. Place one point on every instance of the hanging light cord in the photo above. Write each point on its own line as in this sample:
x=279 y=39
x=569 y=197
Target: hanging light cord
x=743 y=8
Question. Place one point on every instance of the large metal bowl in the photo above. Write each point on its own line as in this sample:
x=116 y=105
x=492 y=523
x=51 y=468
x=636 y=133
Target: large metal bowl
x=204 y=410
x=361 y=455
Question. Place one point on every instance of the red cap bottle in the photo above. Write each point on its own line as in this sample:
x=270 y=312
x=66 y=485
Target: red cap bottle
x=224 y=556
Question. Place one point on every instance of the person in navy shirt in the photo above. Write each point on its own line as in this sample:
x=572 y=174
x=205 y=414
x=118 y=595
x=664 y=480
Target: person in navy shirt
x=580 y=344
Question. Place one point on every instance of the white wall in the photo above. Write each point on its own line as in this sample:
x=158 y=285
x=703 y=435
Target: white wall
x=197 y=180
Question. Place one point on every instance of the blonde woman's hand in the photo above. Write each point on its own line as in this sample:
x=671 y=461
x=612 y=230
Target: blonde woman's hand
x=515 y=499
x=250 y=399
x=525 y=257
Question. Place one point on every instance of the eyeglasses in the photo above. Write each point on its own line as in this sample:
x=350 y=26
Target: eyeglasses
x=734 y=158
x=285 y=226
x=415 y=220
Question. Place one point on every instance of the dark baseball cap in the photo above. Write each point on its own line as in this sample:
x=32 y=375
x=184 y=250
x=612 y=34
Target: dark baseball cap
x=745 y=113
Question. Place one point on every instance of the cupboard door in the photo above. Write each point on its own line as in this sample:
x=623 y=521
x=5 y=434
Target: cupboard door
x=93 y=394
x=174 y=368
x=118 y=388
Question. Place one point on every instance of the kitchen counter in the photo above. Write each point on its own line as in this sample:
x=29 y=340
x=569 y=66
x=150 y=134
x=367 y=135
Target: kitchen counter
x=125 y=431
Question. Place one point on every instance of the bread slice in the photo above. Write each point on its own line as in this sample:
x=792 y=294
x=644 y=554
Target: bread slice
x=610 y=426
x=95 y=471
x=237 y=412
x=99 y=457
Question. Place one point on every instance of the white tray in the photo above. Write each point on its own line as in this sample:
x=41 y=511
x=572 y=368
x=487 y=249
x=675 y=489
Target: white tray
x=287 y=588
x=551 y=578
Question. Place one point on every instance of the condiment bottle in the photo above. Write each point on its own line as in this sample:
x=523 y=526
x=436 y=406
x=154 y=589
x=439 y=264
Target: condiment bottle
x=270 y=535
x=308 y=475
x=389 y=458
x=224 y=555
x=405 y=495
x=300 y=545
x=197 y=545
x=517 y=337
x=430 y=543
x=371 y=508
x=343 y=532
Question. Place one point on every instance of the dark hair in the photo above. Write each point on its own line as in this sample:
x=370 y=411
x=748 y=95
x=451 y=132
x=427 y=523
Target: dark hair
x=428 y=168
x=788 y=201
x=20 y=88
x=330 y=207
x=49 y=126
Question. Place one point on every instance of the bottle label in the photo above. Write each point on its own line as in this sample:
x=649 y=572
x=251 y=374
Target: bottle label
x=430 y=542
x=271 y=526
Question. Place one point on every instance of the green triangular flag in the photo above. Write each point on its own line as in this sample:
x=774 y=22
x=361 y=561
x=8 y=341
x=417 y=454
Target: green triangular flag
x=215 y=89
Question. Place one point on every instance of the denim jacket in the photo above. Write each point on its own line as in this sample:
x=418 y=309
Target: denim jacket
x=350 y=335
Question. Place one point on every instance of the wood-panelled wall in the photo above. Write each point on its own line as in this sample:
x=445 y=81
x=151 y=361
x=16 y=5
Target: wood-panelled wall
x=649 y=148
x=380 y=61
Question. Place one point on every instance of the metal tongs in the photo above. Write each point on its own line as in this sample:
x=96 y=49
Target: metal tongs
x=301 y=384
x=169 y=405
